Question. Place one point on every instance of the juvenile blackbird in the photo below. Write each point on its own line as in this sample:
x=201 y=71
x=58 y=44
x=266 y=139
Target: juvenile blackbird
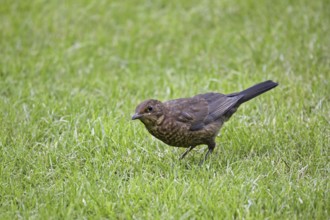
x=188 y=122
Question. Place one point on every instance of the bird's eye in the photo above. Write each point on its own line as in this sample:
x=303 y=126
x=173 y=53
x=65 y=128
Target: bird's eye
x=149 y=109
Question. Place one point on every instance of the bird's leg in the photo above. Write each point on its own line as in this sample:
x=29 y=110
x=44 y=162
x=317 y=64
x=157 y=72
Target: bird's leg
x=186 y=152
x=211 y=148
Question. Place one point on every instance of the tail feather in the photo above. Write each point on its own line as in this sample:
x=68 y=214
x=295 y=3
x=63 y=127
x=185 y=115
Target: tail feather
x=254 y=91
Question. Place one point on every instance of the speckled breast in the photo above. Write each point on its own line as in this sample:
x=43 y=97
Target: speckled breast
x=178 y=134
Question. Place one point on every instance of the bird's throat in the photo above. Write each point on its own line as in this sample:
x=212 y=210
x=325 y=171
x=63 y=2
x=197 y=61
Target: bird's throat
x=160 y=120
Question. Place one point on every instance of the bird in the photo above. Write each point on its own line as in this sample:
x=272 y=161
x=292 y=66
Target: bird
x=189 y=122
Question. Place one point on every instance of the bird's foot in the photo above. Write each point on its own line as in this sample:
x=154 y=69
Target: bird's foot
x=206 y=156
x=186 y=152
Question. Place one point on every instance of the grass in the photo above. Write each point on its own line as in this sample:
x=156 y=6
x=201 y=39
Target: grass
x=72 y=72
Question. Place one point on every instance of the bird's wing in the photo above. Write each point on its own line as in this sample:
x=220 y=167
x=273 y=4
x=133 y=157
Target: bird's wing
x=190 y=111
x=218 y=105
x=203 y=109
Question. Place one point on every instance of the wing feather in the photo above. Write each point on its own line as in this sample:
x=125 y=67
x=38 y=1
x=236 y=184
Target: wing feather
x=191 y=111
x=201 y=110
x=219 y=104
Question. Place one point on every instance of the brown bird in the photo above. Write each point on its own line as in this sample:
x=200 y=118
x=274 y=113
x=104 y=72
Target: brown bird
x=188 y=122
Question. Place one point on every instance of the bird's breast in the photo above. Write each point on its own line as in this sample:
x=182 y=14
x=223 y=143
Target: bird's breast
x=175 y=133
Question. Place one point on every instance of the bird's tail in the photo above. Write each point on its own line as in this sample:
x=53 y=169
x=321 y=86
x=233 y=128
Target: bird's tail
x=255 y=90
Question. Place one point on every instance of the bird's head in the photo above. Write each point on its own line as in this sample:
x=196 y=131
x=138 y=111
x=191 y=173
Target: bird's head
x=150 y=112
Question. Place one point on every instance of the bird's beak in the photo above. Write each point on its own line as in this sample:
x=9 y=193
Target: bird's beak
x=136 y=116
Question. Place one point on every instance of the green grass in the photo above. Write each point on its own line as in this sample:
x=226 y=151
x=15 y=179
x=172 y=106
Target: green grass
x=72 y=72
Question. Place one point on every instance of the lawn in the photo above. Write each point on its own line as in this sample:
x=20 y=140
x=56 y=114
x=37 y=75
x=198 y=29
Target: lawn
x=72 y=73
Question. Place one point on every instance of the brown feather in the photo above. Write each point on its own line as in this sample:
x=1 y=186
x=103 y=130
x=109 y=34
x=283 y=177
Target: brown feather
x=188 y=122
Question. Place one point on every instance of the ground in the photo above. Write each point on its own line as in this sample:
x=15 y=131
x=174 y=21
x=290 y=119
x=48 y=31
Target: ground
x=72 y=73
